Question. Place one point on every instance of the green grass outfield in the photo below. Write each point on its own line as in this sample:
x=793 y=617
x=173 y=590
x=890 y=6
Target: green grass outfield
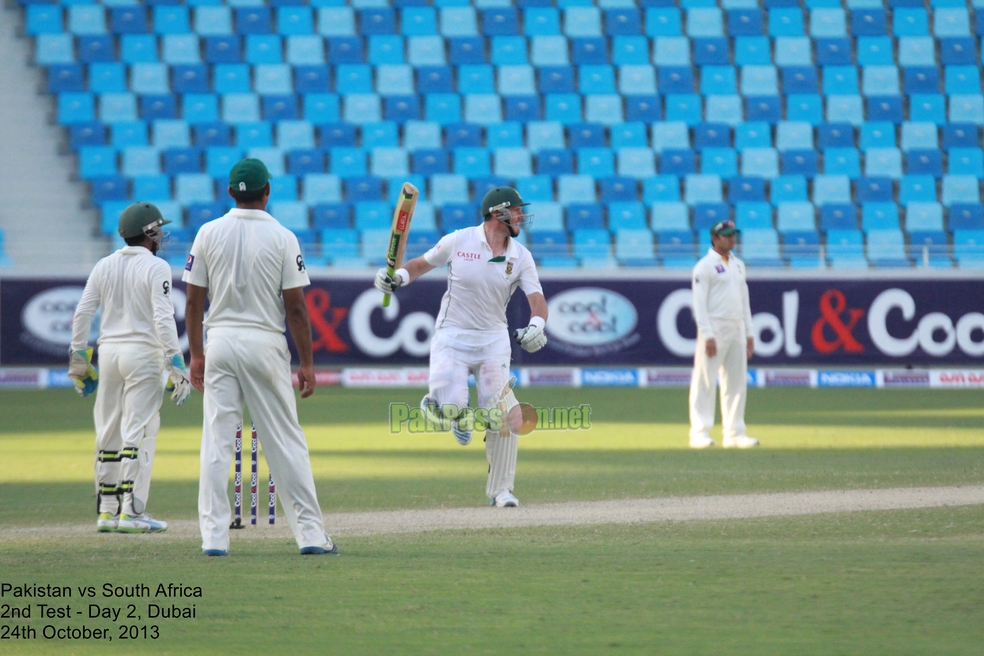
x=886 y=582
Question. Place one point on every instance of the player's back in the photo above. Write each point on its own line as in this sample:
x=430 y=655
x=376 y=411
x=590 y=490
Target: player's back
x=246 y=258
x=127 y=281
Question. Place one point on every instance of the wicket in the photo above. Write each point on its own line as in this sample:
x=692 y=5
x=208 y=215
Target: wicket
x=237 y=521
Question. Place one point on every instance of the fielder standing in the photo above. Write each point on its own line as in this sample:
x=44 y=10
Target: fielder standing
x=252 y=271
x=485 y=265
x=138 y=340
x=724 y=342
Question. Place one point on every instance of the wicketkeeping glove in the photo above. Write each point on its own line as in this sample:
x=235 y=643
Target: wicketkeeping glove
x=82 y=373
x=389 y=284
x=178 y=382
x=532 y=338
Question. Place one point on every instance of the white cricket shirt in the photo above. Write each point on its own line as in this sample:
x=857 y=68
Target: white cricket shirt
x=133 y=287
x=245 y=259
x=720 y=293
x=479 y=288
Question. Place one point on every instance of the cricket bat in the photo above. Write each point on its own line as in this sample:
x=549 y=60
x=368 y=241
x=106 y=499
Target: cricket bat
x=402 y=216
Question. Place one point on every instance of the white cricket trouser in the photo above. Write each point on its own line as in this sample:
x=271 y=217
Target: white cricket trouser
x=128 y=400
x=731 y=363
x=451 y=360
x=253 y=367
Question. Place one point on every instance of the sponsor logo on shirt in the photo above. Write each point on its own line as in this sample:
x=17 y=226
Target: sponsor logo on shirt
x=719 y=268
x=190 y=263
x=468 y=256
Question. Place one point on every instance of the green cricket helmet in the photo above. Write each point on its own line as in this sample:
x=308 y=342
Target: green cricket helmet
x=501 y=198
x=141 y=219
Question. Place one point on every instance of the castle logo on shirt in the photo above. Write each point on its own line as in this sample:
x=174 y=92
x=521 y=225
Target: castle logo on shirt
x=719 y=268
x=509 y=267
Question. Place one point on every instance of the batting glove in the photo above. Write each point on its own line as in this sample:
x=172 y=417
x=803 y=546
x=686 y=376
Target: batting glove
x=532 y=338
x=389 y=284
x=178 y=382
x=81 y=372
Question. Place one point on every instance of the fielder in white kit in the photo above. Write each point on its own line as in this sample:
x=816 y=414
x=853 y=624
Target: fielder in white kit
x=724 y=342
x=252 y=271
x=485 y=266
x=138 y=340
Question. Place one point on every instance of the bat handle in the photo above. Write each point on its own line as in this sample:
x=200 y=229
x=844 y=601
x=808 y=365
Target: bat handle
x=390 y=271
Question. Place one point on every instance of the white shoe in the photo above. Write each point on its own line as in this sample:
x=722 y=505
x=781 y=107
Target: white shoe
x=505 y=499
x=701 y=441
x=463 y=436
x=740 y=442
x=107 y=523
x=142 y=523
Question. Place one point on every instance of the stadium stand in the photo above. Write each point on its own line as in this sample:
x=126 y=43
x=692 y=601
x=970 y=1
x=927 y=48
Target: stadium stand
x=839 y=134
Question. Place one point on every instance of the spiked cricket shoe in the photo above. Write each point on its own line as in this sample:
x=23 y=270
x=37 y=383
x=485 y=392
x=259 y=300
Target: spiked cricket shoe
x=505 y=499
x=463 y=436
x=702 y=441
x=142 y=523
x=107 y=523
x=740 y=442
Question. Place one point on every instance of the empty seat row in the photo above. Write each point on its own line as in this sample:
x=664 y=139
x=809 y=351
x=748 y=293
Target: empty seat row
x=504 y=21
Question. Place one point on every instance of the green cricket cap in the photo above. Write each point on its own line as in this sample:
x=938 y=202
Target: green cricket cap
x=724 y=228
x=139 y=218
x=249 y=175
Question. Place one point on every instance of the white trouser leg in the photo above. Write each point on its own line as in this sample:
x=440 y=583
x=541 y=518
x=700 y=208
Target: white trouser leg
x=145 y=460
x=264 y=367
x=448 y=374
x=734 y=386
x=223 y=411
x=143 y=372
x=703 y=384
x=108 y=414
x=501 y=445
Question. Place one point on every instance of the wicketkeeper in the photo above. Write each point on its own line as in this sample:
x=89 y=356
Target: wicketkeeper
x=138 y=342
x=485 y=265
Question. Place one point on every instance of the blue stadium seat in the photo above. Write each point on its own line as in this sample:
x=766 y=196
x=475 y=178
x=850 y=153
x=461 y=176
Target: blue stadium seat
x=536 y=188
x=966 y=216
x=874 y=189
x=626 y=216
x=377 y=20
x=500 y=21
x=838 y=217
x=746 y=189
x=583 y=216
x=373 y=215
x=711 y=51
x=753 y=215
x=44 y=19
x=64 y=78
x=924 y=217
x=575 y=189
x=253 y=20
x=322 y=188
x=960 y=189
x=879 y=216
x=802 y=249
x=675 y=80
x=365 y=188
x=966 y=161
x=455 y=216
x=200 y=213
x=94 y=48
x=54 y=49
x=845 y=249
x=886 y=248
x=788 y=188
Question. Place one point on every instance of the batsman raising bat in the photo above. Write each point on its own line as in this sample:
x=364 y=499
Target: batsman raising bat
x=138 y=341
x=485 y=265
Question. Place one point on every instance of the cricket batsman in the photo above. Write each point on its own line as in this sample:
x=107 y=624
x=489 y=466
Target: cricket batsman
x=485 y=265
x=724 y=342
x=138 y=341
